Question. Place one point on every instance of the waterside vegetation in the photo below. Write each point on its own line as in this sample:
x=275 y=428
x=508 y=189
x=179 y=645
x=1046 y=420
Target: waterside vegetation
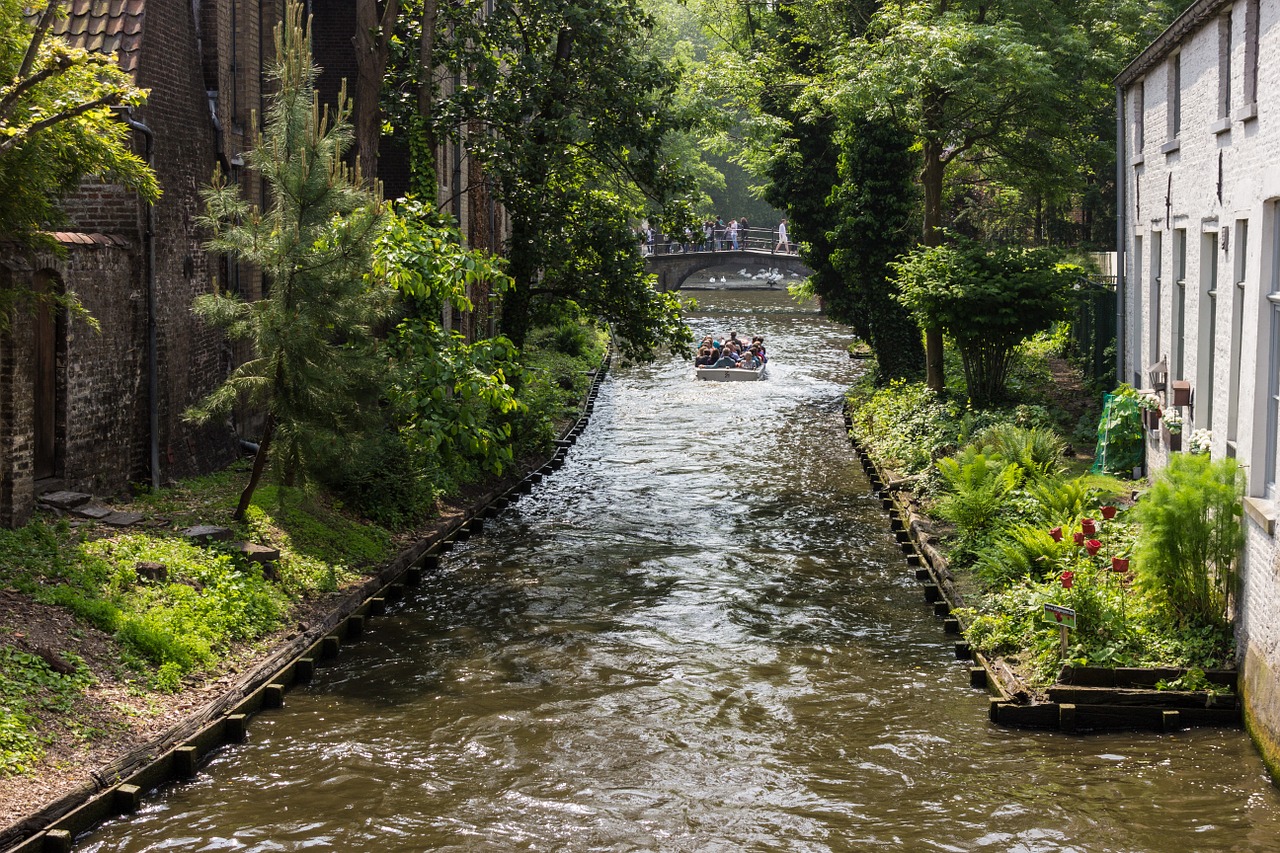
x=1148 y=571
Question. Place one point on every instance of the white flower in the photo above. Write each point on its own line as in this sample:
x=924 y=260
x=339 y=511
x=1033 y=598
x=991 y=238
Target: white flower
x=1200 y=441
x=1173 y=422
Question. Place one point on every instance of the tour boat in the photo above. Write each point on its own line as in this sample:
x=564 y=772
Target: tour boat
x=732 y=374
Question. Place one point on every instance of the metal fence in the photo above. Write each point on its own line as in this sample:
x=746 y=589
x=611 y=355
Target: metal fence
x=1092 y=341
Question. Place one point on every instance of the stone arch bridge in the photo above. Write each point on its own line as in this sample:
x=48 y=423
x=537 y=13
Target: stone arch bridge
x=672 y=269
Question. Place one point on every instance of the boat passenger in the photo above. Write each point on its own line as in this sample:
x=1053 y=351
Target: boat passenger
x=705 y=358
x=726 y=359
x=748 y=361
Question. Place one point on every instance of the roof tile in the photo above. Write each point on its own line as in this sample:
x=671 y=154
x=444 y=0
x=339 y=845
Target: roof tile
x=109 y=26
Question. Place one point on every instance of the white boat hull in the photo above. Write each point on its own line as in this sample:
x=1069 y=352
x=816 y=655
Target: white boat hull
x=731 y=374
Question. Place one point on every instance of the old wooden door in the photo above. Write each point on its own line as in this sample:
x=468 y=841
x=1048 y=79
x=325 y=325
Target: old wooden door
x=46 y=386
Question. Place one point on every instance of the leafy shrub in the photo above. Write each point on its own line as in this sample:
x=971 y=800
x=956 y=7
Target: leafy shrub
x=1191 y=536
x=380 y=478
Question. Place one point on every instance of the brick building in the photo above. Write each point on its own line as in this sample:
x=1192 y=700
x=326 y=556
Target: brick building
x=87 y=410
x=1199 y=295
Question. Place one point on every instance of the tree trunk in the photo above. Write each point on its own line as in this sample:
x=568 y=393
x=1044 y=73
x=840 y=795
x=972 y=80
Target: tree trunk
x=933 y=172
x=372 y=44
x=259 y=465
x=422 y=152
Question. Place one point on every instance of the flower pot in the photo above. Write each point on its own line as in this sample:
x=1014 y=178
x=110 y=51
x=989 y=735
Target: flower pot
x=1181 y=392
x=1078 y=537
x=1056 y=533
x=1093 y=546
x=1173 y=439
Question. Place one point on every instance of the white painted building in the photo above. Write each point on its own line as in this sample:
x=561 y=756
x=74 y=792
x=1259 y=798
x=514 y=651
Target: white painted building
x=1199 y=243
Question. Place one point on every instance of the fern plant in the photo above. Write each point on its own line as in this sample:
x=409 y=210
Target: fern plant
x=1037 y=451
x=977 y=489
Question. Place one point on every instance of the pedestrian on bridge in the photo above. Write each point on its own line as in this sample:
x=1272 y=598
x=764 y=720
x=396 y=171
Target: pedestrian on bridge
x=783 y=245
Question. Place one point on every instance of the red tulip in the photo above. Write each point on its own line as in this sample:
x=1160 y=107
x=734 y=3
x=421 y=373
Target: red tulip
x=1088 y=526
x=1068 y=578
x=1056 y=533
x=1078 y=537
x=1119 y=564
x=1108 y=512
x=1093 y=546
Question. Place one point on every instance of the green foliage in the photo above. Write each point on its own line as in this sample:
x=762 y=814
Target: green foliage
x=307 y=531
x=56 y=127
x=577 y=113
x=988 y=300
x=872 y=216
x=976 y=489
x=1121 y=441
x=1192 y=533
x=29 y=691
x=56 y=124
x=1037 y=451
x=908 y=425
x=383 y=480
x=312 y=365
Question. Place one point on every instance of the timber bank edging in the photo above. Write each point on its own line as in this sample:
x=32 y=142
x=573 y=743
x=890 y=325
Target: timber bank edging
x=1083 y=699
x=176 y=755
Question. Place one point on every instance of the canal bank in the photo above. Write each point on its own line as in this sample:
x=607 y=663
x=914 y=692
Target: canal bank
x=175 y=754
x=699 y=635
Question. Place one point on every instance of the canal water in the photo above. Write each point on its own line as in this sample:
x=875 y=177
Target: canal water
x=698 y=635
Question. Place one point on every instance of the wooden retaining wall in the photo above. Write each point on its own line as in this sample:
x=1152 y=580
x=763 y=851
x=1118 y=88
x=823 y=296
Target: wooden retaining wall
x=176 y=755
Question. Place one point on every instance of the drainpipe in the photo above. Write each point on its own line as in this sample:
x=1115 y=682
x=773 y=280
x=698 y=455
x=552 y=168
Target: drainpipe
x=1122 y=211
x=153 y=367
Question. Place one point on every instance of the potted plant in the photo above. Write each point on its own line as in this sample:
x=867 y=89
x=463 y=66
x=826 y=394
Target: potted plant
x=1200 y=441
x=1172 y=430
x=1150 y=406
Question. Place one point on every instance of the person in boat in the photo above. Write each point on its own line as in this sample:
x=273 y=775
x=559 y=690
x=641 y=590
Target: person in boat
x=757 y=344
x=707 y=343
x=705 y=358
x=749 y=361
x=726 y=360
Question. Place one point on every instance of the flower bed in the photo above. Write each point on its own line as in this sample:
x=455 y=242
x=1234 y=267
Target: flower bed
x=1023 y=533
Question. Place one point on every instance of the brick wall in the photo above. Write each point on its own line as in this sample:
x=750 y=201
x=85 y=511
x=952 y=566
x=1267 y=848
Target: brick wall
x=101 y=421
x=193 y=358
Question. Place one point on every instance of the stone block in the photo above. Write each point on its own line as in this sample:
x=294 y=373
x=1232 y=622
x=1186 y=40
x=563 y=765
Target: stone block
x=91 y=511
x=203 y=534
x=65 y=500
x=122 y=519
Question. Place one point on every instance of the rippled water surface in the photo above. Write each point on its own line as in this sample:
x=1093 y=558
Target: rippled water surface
x=697 y=636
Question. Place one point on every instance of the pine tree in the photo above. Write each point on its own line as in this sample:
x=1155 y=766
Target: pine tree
x=312 y=369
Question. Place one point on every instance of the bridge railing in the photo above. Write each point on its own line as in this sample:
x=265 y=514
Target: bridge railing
x=752 y=239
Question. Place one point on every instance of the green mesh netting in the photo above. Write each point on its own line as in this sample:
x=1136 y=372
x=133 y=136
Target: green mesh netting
x=1120 y=440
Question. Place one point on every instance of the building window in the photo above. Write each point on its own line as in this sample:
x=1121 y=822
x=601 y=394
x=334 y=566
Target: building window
x=1135 y=347
x=1239 y=268
x=1271 y=453
x=1178 y=338
x=1153 y=296
x=1175 y=96
x=1139 y=116
x=1250 y=56
x=1207 y=330
x=1224 y=66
